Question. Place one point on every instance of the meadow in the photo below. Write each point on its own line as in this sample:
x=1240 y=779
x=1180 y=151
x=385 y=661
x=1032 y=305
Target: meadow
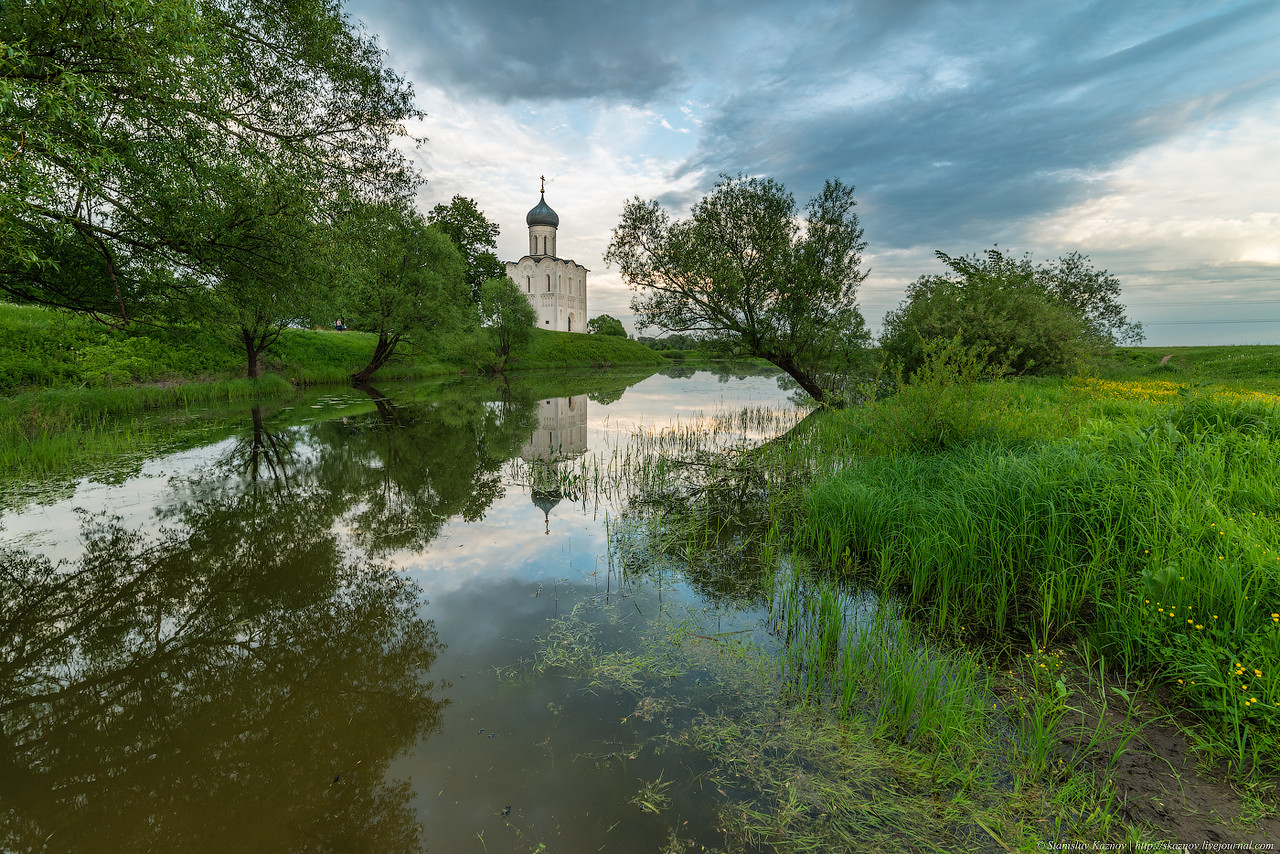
x=1050 y=601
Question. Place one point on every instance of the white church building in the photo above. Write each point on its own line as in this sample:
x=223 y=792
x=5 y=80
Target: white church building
x=556 y=287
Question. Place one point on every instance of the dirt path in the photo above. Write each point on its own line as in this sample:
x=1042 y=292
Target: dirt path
x=1160 y=783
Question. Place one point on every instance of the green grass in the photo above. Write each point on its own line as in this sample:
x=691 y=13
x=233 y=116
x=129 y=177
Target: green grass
x=1254 y=366
x=571 y=350
x=45 y=349
x=1070 y=518
x=1155 y=541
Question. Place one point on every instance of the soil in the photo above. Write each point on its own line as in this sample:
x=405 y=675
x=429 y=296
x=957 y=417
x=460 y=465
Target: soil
x=1162 y=784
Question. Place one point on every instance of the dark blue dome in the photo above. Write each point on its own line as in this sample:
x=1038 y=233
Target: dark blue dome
x=543 y=215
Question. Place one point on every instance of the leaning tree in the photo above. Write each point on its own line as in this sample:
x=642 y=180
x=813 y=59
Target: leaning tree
x=746 y=272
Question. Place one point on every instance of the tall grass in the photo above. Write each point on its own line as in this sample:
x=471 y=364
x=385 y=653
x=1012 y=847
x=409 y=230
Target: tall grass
x=1160 y=545
x=63 y=432
x=853 y=650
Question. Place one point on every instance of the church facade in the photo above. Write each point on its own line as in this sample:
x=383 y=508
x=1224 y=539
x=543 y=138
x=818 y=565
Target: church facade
x=556 y=287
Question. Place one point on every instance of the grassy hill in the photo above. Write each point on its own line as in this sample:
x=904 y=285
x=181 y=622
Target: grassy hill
x=573 y=350
x=42 y=349
x=1256 y=366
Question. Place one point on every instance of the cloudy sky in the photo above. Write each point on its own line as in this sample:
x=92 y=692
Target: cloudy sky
x=1144 y=134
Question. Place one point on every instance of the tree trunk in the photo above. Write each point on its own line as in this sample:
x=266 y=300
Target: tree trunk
x=803 y=377
x=387 y=411
x=252 y=350
x=382 y=353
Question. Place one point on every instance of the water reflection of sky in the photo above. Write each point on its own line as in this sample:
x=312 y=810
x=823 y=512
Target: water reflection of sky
x=517 y=540
x=492 y=587
x=489 y=586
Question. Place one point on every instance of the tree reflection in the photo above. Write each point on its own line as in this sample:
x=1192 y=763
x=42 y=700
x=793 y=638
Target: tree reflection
x=404 y=470
x=179 y=693
x=241 y=679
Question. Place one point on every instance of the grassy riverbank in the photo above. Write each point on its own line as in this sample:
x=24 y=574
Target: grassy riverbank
x=1085 y=534
x=1050 y=603
x=1152 y=540
x=78 y=393
x=42 y=349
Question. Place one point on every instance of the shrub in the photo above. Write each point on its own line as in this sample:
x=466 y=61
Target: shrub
x=940 y=404
x=1029 y=323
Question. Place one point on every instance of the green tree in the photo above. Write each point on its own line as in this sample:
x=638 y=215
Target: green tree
x=268 y=272
x=604 y=324
x=508 y=319
x=990 y=304
x=1031 y=318
x=744 y=273
x=406 y=281
x=476 y=238
x=1093 y=294
x=123 y=123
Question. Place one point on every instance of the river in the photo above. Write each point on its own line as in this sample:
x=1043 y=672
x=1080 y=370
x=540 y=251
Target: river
x=398 y=619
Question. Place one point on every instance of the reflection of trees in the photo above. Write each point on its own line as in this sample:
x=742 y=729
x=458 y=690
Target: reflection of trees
x=180 y=693
x=263 y=454
x=235 y=681
x=405 y=469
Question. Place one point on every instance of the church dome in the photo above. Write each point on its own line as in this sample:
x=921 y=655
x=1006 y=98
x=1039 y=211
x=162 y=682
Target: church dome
x=543 y=215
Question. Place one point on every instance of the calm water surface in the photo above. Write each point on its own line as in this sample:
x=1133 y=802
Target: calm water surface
x=319 y=631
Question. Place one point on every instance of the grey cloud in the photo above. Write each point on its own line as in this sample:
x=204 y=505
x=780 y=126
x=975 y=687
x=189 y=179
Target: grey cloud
x=1048 y=100
x=508 y=51
x=1041 y=95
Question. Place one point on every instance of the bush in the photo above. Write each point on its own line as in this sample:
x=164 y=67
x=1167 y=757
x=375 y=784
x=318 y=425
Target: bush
x=940 y=405
x=604 y=324
x=1021 y=313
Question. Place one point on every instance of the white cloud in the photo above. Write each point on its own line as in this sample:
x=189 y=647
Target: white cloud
x=1194 y=219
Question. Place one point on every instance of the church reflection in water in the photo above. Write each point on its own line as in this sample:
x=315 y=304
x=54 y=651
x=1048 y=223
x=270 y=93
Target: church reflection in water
x=561 y=437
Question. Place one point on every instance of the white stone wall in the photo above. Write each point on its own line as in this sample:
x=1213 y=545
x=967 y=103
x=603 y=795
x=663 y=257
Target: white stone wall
x=542 y=240
x=556 y=288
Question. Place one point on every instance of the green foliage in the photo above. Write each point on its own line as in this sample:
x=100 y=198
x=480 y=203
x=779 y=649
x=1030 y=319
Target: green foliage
x=941 y=405
x=270 y=276
x=551 y=349
x=42 y=348
x=1094 y=295
x=474 y=235
x=154 y=148
x=1157 y=545
x=404 y=280
x=670 y=342
x=742 y=272
x=508 y=319
x=993 y=302
x=1036 y=319
x=604 y=324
